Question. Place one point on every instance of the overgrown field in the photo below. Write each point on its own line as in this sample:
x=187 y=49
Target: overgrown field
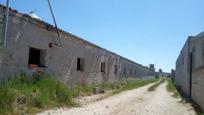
x=28 y=95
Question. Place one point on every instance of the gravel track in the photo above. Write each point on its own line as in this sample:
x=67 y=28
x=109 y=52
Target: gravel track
x=133 y=102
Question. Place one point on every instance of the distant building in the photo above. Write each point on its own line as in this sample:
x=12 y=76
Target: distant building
x=160 y=73
x=151 y=66
x=172 y=74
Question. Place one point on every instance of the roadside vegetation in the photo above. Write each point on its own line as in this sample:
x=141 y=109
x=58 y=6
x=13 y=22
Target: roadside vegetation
x=153 y=87
x=135 y=83
x=21 y=95
x=27 y=95
x=87 y=90
x=172 y=88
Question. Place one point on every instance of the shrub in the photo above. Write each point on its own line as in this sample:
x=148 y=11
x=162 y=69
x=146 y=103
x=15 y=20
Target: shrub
x=7 y=99
x=39 y=92
x=63 y=93
x=39 y=101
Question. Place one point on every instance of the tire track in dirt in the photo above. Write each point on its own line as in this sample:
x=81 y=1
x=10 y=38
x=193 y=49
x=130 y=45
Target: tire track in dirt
x=134 y=102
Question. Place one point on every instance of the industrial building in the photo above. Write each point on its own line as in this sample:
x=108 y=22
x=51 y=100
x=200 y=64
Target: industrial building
x=189 y=72
x=33 y=46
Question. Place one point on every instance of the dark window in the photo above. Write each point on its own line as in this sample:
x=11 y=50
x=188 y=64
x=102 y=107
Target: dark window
x=80 y=64
x=116 y=69
x=36 y=58
x=103 y=67
x=124 y=71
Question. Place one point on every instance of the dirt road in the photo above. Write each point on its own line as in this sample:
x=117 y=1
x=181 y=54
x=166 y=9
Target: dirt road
x=134 y=102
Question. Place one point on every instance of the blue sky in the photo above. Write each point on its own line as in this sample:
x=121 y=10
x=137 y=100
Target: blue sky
x=145 y=31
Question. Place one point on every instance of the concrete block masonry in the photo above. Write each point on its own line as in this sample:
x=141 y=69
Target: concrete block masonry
x=190 y=69
x=31 y=47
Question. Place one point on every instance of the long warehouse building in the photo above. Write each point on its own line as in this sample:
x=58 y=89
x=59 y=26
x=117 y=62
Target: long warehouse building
x=32 y=46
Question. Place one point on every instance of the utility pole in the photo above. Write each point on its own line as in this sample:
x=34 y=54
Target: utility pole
x=6 y=23
x=53 y=17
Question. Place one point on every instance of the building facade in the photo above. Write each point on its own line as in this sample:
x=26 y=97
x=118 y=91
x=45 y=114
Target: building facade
x=33 y=46
x=189 y=72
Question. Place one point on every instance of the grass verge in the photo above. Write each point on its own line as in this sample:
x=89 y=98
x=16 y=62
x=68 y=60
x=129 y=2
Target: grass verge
x=153 y=87
x=87 y=90
x=24 y=95
x=172 y=88
x=28 y=95
x=135 y=83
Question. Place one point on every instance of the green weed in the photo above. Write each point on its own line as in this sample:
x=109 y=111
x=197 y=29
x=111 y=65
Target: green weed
x=135 y=83
x=171 y=88
x=153 y=87
x=21 y=92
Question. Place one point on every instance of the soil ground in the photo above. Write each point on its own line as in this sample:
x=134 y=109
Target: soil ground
x=133 y=102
